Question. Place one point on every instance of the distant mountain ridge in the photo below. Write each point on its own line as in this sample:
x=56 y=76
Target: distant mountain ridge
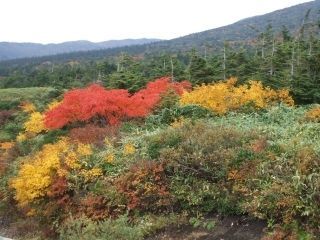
x=12 y=50
x=240 y=32
x=245 y=30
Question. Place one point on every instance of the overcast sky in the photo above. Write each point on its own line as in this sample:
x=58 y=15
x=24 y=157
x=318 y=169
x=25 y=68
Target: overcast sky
x=53 y=21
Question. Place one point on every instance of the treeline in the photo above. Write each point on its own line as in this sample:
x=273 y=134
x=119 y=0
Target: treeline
x=279 y=60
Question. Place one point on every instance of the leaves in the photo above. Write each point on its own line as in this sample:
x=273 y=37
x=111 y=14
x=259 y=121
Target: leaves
x=111 y=106
x=223 y=97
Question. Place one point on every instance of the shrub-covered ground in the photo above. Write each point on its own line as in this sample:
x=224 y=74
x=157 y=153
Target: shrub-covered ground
x=84 y=167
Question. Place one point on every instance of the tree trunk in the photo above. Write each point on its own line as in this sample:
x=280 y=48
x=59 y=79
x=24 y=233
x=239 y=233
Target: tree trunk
x=224 y=62
x=172 y=77
x=292 y=63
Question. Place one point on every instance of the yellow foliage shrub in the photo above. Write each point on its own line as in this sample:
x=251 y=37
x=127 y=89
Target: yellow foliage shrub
x=53 y=104
x=36 y=175
x=35 y=123
x=129 y=149
x=109 y=158
x=28 y=107
x=224 y=96
x=107 y=142
x=6 y=145
x=91 y=174
x=71 y=160
x=21 y=137
x=84 y=149
x=313 y=114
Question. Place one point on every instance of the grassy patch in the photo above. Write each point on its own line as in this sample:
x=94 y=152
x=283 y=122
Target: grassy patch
x=24 y=94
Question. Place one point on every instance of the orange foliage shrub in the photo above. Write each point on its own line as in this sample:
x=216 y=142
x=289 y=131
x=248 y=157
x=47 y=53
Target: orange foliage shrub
x=28 y=107
x=145 y=187
x=95 y=207
x=313 y=114
x=93 y=134
x=59 y=195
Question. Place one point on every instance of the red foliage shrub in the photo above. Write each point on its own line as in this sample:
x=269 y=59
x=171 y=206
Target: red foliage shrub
x=59 y=193
x=145 y=187
x=83 y=104
x=95 y=207
x=111 y=105
x=151 y=95
x=93 y=134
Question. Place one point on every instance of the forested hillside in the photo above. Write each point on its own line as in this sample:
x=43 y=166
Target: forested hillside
x=281 y=60
x=281 y=49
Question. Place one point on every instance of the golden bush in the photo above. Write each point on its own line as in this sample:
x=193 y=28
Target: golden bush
x=225 y=96
x=313 y=114
x=35 y=123
x=35 y=176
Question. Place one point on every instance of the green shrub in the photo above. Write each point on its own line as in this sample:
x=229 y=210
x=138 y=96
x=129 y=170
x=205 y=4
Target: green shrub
x=8 y=105
x=169 y=115
x=86 y=229
x=286 y=188
x=155 y=143
x=12 y=128
x=199 y=157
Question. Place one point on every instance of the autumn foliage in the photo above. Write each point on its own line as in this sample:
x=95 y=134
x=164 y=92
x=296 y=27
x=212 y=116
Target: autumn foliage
x=36 y=176
x=145 y=186
x=110 y=105
x=225 y=96
x=313 y=115
x=92 y=134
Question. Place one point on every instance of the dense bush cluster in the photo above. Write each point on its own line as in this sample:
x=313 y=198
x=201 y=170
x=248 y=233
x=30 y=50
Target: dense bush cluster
x=226 y=96
x=110 y=105
x=313 y=114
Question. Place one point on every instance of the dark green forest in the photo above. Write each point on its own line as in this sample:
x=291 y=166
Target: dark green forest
x=281 y=49
x=278 y=59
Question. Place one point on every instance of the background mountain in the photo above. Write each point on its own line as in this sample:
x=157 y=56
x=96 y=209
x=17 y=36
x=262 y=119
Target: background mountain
x=11 y=50
x=241 y=33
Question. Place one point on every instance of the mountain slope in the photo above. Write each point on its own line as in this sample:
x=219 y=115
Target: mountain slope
x=10 y=50
x=239 y=33
x=249 y=28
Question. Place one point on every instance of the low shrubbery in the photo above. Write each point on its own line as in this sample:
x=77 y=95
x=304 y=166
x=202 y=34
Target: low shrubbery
x=112 y=106
x=225 y=96
x=93 y=180
x=313 y=114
